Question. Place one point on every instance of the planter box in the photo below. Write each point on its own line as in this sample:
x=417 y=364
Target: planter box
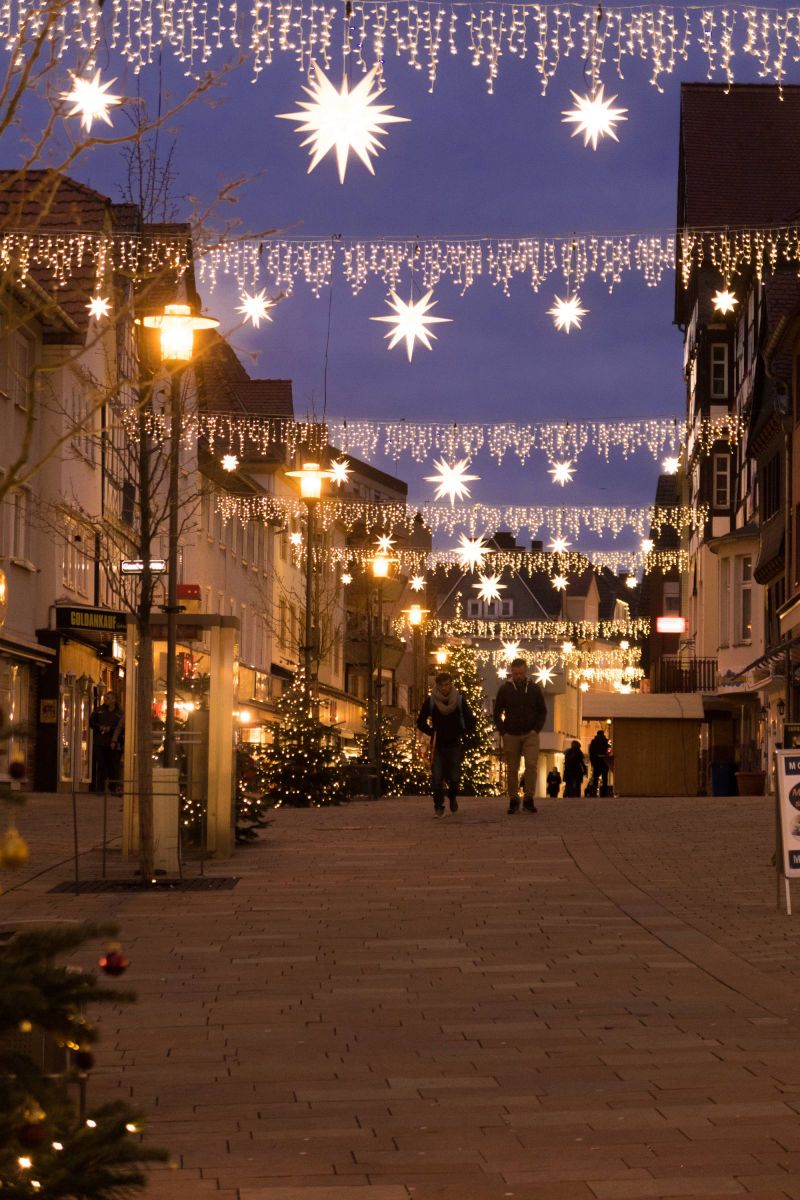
x=751 y=783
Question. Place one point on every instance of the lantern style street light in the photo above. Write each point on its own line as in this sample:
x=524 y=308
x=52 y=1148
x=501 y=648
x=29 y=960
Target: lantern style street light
x=415 y=615
x=311 y=479
x=380 y=565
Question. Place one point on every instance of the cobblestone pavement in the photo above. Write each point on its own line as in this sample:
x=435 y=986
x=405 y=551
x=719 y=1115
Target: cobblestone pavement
x=597 y=1002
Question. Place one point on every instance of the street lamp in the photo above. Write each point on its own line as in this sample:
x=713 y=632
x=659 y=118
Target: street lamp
x=415 y=615
x=177 y=325
x=380 y=564
x=311 y=479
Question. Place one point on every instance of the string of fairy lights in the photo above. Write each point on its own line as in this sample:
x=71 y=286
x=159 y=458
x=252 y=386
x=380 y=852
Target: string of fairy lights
x=369 y=33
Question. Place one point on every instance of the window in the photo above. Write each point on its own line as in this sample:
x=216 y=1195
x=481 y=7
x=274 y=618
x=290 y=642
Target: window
x=16 y=539
x=283 y=628
x=719 y=371
x=76 y=563
x=672 y=598
x=16 y=366
x=722 y=481
x=724 y=601
x=473 y=608
x=743 y=595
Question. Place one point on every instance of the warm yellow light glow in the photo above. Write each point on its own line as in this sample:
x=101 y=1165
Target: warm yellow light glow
x=340 y=471
x=416 y=614
x=510 y=651
x=380 y=566
x=647 y=545
x=296 y=539
x=347 y=578
x=567 y=647
x=441 y=655
x=670 y=466
x=560 y=545
x=631 y=582
x=584 y=686
x=311 y=478
x=471 y=552
x=244 y=716
x=177 y=325
x=229 y=462
x=384 y=543
x=593 y=116
x=411 y=321
x=624 y=644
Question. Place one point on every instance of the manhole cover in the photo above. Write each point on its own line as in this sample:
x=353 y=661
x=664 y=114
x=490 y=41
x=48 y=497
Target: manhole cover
x=205 y=883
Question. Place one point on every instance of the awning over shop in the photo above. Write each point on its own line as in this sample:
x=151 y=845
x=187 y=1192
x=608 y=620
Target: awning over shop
x=775 y=657
x=30 y=651
x=599 y=706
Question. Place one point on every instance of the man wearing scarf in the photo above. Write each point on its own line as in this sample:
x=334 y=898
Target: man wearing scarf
x=519 y=714
x=445 y=717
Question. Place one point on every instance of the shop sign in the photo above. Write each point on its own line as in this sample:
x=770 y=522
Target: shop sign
x=90 y=620
x=787 y=763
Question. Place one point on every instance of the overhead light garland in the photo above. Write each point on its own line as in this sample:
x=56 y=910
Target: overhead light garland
x=540 y=631
x=544 y=36
x=413 y=561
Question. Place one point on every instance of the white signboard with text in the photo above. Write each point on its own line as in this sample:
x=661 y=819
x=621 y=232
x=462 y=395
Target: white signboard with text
x=787 y=774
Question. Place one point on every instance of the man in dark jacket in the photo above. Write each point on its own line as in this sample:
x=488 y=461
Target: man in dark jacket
x=599 y=751
x=519 y=714
x=445 y=717
x=107 y=724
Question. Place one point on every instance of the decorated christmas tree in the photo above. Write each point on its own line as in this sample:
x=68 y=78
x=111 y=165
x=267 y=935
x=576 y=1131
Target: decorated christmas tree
x=404 y=770
x=476 y=775
x=51 y=1144
x=255 y=793
x=303 y=765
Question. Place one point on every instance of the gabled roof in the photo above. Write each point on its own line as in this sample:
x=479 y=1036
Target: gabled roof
x=226 y=388
x=738 y=155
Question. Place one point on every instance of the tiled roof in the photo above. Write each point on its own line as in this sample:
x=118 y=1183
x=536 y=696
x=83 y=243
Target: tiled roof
x=739 y=161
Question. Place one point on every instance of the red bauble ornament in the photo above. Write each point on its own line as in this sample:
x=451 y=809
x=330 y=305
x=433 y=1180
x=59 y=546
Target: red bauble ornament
x=84 y=1060
x=113 y=962
x=31 y=1136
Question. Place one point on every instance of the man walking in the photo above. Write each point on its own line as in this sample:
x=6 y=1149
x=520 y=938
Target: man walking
x=519 y=714
x=445 y=717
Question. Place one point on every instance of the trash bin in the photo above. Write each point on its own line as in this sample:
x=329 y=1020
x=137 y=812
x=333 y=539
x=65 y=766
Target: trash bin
x=723 y=779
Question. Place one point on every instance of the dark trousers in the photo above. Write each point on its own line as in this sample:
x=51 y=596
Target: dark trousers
x=572 y=785
x=106 y=767
x=446 y=766
x=599 y=783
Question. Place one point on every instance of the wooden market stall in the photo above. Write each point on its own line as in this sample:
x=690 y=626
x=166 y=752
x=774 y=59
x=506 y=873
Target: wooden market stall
x=655 y=740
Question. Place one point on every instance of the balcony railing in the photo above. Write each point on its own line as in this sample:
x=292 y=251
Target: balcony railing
x=675 y=673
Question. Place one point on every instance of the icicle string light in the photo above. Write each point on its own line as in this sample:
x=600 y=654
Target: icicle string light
x=540 y=631
x=572 y=562
x=419 y=33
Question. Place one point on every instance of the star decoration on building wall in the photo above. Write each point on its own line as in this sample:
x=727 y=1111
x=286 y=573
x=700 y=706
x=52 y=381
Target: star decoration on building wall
x=385 y=542
x=417 y=583
x=545 y=675
x=255 y=308
x=451 y=480
x=724 y=301
x=471 y=552
x=562 y=472
x=670 y=466
x=340 y=472
x=345 y=120
x=560 y=545
x=229 y=462
x=99 y=306
x=559 y=583
x=593 y=116
x=489 y=587
x=510 y=651
x=90 y=99
x=567 y=312
x=411 y=321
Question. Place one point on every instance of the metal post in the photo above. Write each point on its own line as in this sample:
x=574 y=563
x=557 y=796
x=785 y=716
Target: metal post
x=172 y=571
x=370 y=702
x=379 y=729
x=308 y=647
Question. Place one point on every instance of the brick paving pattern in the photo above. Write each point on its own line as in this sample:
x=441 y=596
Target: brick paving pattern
x=598 y=1002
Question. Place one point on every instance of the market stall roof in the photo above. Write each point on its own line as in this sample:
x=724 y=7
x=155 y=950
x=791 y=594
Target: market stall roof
x=647 y=706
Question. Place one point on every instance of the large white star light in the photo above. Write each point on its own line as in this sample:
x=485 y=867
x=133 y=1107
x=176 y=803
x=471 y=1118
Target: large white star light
x=471 y=552
x=255 y=308
x=345 y=120
x=411 y=322
x=567 y=312
x=510 y=651
x=489 y=587
x=340 y=471
x=91 y=99
x=562 y=472
x=452 y=480
x=560 y=545
x=99 y=306
x=417 y=583
x=593 y=116
x=384 y=543
x=724 y=301
x=559 y=582
x=545 y=675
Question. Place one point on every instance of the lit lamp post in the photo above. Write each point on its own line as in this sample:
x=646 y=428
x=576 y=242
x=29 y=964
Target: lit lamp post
x=380 y=565
x=176 y=325
x=415 y=615
x=311 y=478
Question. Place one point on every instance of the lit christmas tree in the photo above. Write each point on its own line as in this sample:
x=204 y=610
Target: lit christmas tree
x=404 y=771
x=303 y=765
x=476 y=773
x=255 y=793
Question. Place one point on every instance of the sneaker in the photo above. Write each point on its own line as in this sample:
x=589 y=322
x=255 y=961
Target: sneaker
x=438 y=812
x=453 y=804
x=528 y=804
x=513 y=807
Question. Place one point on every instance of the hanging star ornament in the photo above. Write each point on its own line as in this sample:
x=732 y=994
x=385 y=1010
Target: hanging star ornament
x=560 y=545
x=593 y=116
x=545 y=675
x=385 y=542
x=567 y=312
x=562 y=472
x=471 y=552
x=489 y=587
x=296 y=539
x=347 y=120
x=411 y=322
x=510 y=651
x=229 y=462
x=255 y=308
x=99 y=306
x=452 y=481
x=90 y=99
x=559 y=583
x=724 y=301
x=340 y=472
x=417 y=583
x=670 y=466
x=347 y=578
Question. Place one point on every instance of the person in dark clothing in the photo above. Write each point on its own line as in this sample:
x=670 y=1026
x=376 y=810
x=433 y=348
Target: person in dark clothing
x=519 y=715
x=574 y=770
x=445 y=717
x=107 y=724
x=553 y=782
x=599 y=750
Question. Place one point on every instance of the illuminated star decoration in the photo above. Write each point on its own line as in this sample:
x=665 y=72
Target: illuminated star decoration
x=347 y=578
x=510 y=651
x=631 y=582
x=411 y=321
x=562 y=472
x=489 y=587
x=384 y=543
x=452 y=481
x=593 y=116
x=670 y=466
x=567 y=312
x=229 y=462
x=345 y=120
x=417 y=583
x=340 y=472
x=647 y=545
x=724 y=301
x=471 y=552
x=99 y=306
x=296 y=539
x=560 y=545
x=255 y=308
x=559 y=583
x=91 y=99
x=545 y=675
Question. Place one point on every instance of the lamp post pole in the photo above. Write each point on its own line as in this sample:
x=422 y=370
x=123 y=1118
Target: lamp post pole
x=379 y=729
x=172 y=570
x=309 y=630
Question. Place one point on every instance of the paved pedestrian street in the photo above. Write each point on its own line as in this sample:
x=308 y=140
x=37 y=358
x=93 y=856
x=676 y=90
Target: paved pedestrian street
x=598 y=1002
